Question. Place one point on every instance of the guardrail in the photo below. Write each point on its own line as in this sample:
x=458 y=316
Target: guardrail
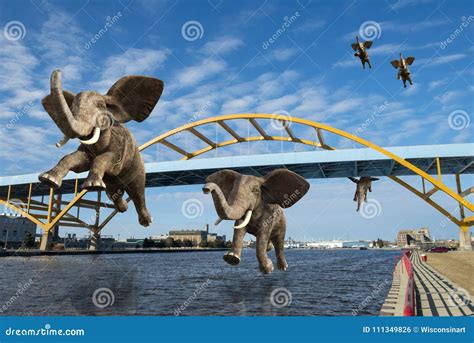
x=409 y=303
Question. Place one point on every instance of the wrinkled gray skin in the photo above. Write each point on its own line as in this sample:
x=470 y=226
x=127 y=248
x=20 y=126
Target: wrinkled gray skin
x=114 y=162
x=403 y=71
x=361 y=51
x=364 y=184
x=234 y=194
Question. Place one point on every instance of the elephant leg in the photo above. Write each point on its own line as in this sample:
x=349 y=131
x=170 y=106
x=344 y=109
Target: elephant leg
x=270 y=246
x=100 y=164
x=78 y=161
x=370 y=65
x=359 y=202
x=136 y=190
x=233 y=256
x=409 y=80
x=355 y=196
x=115 y=193
x=279 y=243
x=265 y=264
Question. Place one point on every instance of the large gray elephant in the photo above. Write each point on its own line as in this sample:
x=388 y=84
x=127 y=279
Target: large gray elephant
x=256 y=204
x=108 y=150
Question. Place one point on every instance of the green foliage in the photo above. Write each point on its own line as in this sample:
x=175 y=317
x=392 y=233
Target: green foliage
x=29 y=241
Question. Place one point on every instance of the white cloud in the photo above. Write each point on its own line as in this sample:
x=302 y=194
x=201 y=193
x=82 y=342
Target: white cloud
x=133 y=61
x=221 y=45
x=281 y=55
x=206 y=68
x=435 y=61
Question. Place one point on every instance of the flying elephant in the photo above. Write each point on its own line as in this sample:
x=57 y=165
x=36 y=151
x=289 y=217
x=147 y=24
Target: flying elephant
x=256 y=205
x=361 y=51
x=364 y=184
x=403 y=71
x=107 y=150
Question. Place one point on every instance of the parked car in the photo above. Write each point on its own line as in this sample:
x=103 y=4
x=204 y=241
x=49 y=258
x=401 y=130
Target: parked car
x=439 y=249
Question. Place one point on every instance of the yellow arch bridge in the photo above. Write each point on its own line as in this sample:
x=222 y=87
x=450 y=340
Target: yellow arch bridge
x=49 y=209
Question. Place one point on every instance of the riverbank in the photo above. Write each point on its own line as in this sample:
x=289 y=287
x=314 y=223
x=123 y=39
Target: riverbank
x=26 y=253
x=458 y=266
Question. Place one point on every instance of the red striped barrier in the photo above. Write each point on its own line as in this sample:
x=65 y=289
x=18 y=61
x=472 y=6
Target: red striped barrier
x=409 y=305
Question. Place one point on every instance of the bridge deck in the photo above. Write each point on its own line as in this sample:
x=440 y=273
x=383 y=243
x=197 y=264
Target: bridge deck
x=454 y=158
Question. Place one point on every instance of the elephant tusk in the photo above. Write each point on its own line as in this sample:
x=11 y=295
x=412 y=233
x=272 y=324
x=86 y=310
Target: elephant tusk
x=95 y=137
x=248 y=214
x=63 y=141
x=218 y=221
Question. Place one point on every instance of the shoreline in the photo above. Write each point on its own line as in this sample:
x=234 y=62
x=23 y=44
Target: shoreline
x=32 y=253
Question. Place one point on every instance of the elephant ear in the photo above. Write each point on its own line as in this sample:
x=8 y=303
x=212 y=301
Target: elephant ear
x=133 y=97
x=283 y=187
x=355 y=46
x=410 y=60
x=395 y=64
x=367 y=44
x=225 y=179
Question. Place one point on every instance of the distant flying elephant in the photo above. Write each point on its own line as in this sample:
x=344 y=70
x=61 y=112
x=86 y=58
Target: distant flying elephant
x=403 y=71
x=256 y=204
x=364 y=184
x=108 y=150
x=361 y=51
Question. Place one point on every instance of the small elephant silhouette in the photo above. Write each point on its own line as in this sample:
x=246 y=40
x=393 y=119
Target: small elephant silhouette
x=108 y=150
x=361 y=51
x=256 y=204
x=364 y=184
x=403 y=71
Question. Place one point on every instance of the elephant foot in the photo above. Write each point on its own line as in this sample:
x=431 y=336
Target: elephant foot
x=282 y=265
x=50 y=179
x=268 y=268
x=93 y=184
x=232 y=258
x=121 y=205
x=144 y=218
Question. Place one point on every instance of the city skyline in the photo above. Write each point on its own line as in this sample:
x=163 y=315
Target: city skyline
x=238 y=62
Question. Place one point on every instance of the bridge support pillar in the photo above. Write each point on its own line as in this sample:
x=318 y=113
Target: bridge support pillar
x=465 y=239
x=46 y=240
x=95 y=241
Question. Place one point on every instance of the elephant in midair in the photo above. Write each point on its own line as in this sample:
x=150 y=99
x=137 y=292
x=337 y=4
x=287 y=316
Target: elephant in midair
x=364 y=184
x=403 y=71
x=256 y=204
x=361 y=51
x=108 y=150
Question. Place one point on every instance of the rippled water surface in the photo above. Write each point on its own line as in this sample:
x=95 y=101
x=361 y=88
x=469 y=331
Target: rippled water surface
x=318 y=282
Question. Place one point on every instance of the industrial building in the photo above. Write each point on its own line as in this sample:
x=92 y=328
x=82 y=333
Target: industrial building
x=14 y=228
x=414 y=237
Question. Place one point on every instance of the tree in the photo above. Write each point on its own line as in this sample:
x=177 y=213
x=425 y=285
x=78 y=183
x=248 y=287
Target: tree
x=379 y=243
x=178 y=243
x=148 y=243
x=160 y=244
x=169 y=242
x=187 y=243
x=28 y=241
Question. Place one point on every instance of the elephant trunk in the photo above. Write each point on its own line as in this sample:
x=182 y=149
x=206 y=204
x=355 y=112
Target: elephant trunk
x=224 y=210
x=63 y=116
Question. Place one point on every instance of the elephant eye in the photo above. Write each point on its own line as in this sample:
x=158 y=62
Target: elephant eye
x=256 y=189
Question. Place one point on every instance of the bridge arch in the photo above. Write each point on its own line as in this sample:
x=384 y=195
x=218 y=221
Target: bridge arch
x=192 y=127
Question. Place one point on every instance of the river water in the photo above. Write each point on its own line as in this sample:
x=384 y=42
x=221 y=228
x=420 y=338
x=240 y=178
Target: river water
x=317 y=283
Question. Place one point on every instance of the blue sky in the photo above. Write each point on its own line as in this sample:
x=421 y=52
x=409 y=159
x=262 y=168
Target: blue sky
x=231 y=66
